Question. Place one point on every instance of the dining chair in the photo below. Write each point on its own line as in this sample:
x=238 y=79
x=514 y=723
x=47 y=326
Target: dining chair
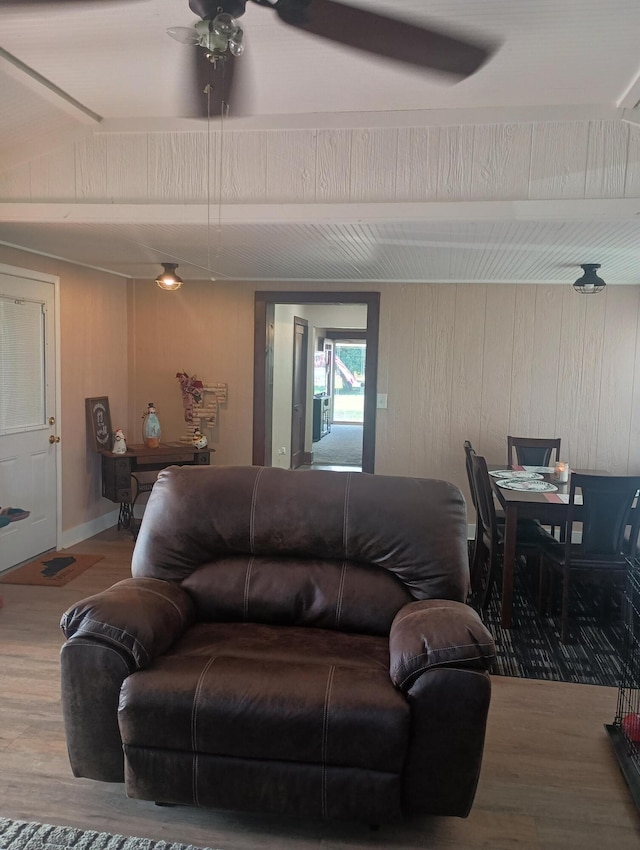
x=607 y=514
x=632 y=532
x=490 y=535
x=476 y=550
x=532 y=451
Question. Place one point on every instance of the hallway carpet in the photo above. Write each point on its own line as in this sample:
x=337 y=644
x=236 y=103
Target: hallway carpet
x=341 y=447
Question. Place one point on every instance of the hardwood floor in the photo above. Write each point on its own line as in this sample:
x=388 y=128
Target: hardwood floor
x=549 y=778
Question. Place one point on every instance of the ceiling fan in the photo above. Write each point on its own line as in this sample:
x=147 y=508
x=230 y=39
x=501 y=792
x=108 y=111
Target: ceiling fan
x=219 y=41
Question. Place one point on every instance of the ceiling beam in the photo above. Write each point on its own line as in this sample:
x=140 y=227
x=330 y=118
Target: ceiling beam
x=589 y=209
x=369 y=120
x=52 y=93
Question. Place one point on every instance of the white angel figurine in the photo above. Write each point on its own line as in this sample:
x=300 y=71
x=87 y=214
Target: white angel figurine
x=119 y=443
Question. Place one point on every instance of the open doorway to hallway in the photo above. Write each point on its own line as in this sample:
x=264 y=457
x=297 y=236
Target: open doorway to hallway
x=273 y=407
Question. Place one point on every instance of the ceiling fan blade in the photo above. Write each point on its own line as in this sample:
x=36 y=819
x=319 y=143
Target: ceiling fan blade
x=218 y=80
x=47 y=3
x=384 y=36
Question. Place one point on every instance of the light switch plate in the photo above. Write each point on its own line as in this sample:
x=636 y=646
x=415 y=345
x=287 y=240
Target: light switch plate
x=381 y=401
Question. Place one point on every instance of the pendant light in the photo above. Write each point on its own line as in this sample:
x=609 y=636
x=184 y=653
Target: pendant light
x=169 y=280
x=589 y=283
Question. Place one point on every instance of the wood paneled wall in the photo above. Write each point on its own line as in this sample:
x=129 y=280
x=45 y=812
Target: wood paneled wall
x=463 y=361
x=478 y=362
x=457 y=361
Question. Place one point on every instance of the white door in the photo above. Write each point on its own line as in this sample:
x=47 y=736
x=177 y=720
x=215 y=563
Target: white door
x=28 y=419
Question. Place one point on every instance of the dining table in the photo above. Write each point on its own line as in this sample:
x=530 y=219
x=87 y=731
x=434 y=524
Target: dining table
x=549 y=506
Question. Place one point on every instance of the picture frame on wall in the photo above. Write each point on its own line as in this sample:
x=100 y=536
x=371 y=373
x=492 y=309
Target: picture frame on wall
x=99 y=422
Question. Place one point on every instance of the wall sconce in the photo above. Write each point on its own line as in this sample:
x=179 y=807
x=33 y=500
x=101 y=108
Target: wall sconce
x=589 y=283
x=169 y=280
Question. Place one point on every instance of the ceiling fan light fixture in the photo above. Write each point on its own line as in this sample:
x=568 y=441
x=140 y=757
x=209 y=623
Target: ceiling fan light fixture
x=589 y=283
x=236 y=45
x=224 y=25
x=169 y=280
x=219 y=36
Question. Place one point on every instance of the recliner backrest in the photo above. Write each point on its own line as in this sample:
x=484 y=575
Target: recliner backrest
x=411 y=528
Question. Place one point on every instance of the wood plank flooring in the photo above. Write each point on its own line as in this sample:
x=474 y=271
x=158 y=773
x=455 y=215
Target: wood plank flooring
x=549 y=778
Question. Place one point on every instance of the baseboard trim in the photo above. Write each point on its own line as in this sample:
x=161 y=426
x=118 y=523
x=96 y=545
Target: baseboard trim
x=81 y=532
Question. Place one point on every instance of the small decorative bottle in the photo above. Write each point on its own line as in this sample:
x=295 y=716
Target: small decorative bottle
x=151 y=427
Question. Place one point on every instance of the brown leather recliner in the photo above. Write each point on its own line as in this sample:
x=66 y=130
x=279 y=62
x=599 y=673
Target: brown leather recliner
x=291 y=642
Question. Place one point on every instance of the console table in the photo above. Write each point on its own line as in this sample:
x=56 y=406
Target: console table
x=117 y=471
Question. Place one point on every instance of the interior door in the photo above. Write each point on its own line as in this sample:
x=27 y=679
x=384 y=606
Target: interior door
x=299 y=391
x=28 y=418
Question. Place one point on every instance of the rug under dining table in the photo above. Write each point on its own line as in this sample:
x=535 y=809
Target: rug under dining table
x=532 y=649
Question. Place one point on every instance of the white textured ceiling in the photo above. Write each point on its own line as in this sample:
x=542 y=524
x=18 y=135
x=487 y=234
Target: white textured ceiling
x=72 y=70
x=535 y=252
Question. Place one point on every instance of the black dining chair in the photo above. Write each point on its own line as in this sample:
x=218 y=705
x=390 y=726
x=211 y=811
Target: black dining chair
x=490 y=535
x=476 y=549
x=532 y=451
x=609 y=535
x=632 y=532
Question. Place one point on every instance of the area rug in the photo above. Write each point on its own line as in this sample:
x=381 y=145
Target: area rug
x=21 y=835
x=341 y=447
x=532 y=649
x=54 y=569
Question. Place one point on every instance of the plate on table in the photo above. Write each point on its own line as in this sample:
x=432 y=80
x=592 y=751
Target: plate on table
x=526 y=486
x=517 y=475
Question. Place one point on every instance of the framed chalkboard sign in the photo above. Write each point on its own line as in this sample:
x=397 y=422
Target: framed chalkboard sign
x=99 y=422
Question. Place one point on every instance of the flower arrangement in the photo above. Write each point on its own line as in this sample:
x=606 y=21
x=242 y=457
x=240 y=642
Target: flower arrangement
x=192 y=391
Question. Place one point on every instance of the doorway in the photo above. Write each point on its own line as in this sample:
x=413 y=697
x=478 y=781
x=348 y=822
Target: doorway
x=29 y=474
x=264 y=324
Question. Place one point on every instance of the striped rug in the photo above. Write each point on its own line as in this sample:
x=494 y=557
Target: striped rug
x=532 y=649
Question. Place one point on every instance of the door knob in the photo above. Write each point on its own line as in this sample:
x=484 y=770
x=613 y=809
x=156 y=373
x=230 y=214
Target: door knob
x=53 y=439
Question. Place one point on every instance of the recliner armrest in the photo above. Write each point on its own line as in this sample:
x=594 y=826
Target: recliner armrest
x=141 y=616
x=437 y=633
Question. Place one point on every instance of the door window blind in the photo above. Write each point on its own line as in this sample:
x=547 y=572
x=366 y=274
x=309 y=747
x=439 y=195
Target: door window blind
x=22 y=365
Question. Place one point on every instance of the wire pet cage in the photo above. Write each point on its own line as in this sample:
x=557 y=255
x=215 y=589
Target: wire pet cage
x=624 y=732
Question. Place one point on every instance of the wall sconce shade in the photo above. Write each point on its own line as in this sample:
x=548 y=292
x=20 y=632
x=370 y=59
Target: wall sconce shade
x=589 y=283
x=169 y=280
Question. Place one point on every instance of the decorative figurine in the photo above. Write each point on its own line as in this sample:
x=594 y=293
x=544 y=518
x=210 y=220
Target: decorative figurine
x=119 y=443
x=151 y=427
x=199 y=440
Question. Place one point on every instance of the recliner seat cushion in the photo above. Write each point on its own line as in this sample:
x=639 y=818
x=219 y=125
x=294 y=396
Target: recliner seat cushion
x=315 y=710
